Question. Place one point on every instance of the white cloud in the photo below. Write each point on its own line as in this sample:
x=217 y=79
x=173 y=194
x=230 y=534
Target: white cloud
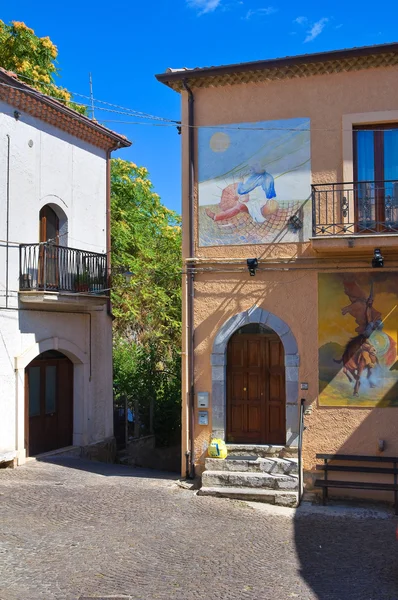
x=316 y=29
x=204 y=6
x=339 y=26
x=300 y=20
x=269 y=10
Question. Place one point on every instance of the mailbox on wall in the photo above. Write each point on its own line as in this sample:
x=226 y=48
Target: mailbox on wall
x=203 y=399
x=203 y=417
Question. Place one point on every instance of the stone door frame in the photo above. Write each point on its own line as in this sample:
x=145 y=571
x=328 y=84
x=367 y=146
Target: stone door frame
x=219 y=362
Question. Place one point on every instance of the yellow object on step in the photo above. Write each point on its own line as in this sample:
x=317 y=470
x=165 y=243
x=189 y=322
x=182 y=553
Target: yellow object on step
x=217 y=449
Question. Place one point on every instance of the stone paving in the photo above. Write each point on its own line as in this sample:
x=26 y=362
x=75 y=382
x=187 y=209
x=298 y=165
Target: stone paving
x=73 y=529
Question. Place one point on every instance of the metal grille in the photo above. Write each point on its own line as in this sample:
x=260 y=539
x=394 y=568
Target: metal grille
x=58 y=268
x=352 y=208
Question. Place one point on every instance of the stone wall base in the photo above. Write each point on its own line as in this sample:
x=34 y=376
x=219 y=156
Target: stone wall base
x=142 y=452
x=104 y=451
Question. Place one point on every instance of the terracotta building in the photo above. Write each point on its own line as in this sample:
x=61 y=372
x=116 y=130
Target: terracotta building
x=290 y=247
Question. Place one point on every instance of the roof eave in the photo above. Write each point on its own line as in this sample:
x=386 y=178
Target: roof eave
x=172 y=77
x=119 y=140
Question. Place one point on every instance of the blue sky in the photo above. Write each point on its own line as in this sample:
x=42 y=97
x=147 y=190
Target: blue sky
x=124 y=44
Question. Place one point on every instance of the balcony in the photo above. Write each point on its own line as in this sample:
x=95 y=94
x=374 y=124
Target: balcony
x=49 y=273
x=354 y=214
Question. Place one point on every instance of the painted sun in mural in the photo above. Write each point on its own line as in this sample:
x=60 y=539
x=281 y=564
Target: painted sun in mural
x=220 y=142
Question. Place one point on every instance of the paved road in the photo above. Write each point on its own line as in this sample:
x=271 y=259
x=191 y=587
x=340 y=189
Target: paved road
x=74 y=529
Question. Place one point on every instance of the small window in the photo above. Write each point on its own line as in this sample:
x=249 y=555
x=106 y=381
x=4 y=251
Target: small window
x=34 y=391
x=254 y=328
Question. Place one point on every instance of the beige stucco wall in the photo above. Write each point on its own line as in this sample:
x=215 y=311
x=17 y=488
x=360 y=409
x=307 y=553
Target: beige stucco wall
x=291 y=294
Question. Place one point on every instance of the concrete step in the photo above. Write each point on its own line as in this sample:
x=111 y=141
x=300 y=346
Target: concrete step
x=286 y=466
x=261 y=450
x=280 y=498
x=249 y=480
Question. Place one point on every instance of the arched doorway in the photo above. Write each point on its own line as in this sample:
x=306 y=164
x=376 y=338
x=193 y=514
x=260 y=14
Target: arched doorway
x=48 y=403
x=256 y=397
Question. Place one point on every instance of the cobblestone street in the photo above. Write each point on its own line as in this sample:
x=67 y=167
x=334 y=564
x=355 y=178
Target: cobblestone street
x=73 y=529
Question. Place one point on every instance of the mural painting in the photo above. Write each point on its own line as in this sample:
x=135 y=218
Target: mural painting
x=254 y=183
x=358 y=323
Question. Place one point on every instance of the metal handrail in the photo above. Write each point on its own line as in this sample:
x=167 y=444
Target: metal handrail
x=349 y=208
x=52 y=244
x=347 y=183
x=300 y=452
x=47 y=266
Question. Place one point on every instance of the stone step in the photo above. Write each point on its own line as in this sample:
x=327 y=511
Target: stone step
x=261 y=451
x=286 y=466
x=280 y=498
x=249 y=480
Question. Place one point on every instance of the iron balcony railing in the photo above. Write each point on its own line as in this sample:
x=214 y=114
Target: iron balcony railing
x=47 y=266
x=352 y=208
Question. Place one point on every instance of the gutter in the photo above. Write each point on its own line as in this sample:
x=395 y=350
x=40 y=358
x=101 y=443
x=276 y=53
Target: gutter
x=190 y=282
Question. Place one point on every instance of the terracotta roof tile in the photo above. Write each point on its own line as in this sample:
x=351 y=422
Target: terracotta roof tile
x=26 y=98
x=305 y=65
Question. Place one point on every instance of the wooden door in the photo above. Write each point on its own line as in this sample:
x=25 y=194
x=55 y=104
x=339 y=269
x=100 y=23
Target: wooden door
x=49 y=405
x=256 y=390
x=48 y=255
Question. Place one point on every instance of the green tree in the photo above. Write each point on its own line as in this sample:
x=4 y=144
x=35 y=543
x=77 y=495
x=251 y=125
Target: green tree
x=33 y=59
x=146 y=239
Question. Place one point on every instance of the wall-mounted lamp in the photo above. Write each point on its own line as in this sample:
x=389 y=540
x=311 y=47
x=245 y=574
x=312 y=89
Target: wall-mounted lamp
x=17 y=114
x=127 y=276
x=252 y=265
x=295 y=223
x=377 y=260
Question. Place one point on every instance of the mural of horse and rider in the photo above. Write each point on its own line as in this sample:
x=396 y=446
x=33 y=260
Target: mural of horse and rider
x=357 y=332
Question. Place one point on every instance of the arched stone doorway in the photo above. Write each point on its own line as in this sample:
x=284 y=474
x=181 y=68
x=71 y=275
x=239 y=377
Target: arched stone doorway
x=48 y=403
x=219 y=363
x=255 y=387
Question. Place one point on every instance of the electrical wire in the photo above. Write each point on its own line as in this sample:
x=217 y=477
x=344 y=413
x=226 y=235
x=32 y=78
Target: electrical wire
x=124 y=108
x=175 y=123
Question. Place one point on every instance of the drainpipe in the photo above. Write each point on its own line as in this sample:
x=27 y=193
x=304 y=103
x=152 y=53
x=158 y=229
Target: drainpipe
x=190 y=278
x=108 y=225
x=7 y=215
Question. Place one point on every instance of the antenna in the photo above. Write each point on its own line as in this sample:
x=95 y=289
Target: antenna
x=91 y=97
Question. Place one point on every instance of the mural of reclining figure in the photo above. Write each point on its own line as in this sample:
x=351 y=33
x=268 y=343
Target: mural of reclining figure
x=256 y=205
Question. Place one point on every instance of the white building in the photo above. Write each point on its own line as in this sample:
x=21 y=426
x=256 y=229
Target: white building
x=55 y=322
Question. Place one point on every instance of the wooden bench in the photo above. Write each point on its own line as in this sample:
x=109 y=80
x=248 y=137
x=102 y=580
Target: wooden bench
x=327 y=467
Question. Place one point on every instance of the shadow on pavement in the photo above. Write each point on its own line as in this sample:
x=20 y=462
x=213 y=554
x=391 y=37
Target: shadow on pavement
x=348 y=557
x=106 y=469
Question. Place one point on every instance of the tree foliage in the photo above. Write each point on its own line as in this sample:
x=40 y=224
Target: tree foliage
x=33 y=59
x=146 y=240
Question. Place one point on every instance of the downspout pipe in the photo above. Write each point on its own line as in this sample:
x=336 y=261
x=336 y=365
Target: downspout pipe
x=108 y=223
x=190 y=278
x=7 y=214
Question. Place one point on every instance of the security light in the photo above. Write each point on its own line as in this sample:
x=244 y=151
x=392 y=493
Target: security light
x=295 y=223
x=377 y=260
x=252 y=265
x=127 y=276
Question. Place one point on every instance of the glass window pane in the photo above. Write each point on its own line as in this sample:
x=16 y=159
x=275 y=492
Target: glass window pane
x=51 y=389
x=365 y=155
x=391 y=154
x=391 y=175
x=34 y=391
